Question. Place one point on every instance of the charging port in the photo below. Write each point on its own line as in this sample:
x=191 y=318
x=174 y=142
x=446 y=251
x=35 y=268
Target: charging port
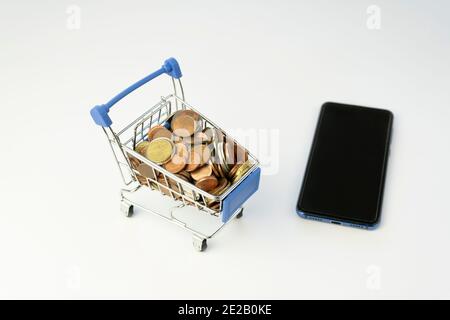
x=336 y=222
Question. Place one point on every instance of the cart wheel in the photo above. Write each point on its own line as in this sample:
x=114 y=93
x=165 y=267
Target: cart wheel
x=199 y=243
x=240 y=214
x=127 y=209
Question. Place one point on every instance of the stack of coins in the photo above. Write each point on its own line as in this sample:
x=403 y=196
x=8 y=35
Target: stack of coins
x=204 y=157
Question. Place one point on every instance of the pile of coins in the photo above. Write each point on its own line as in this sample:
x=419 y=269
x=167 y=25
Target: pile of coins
x=202 y=156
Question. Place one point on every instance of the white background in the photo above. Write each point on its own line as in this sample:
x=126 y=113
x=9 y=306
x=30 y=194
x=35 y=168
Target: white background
x=247 y=64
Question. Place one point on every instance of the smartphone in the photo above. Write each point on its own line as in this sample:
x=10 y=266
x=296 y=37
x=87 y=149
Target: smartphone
x=345 y=174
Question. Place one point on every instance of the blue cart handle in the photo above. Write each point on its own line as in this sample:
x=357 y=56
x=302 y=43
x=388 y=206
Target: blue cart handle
x=100 y=113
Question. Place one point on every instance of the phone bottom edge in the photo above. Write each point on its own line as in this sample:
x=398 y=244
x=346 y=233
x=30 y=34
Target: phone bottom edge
x=309 y=216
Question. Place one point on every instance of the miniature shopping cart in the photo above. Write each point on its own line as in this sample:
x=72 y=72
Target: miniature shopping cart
x=183 y=194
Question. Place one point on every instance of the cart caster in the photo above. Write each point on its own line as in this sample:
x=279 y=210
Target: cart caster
x=200 y=244
x=240 y=214
x=127 y=209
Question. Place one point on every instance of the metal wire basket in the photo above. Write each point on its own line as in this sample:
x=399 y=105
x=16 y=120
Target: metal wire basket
x=137 y=171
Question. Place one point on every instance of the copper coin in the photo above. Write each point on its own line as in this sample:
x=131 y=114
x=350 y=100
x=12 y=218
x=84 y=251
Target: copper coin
x=181 y=176
x=134 y=162
x=181 y=150
x=207 y=183
x=142 y=180
x=152 y=131
x=147 y=171
x=221 y=187
x=184 y=126
x=176 y=164
x=202 y=172
x=234 y=169
x=161 y=132
x=218 y=168
x=215 y=206
x=213 y=167
x=204 y=152
x=193 y=161
x=214 y=134
x=229 y=152
x=188 y=112
x=200 y=138
x=185 y=174
x=163 y=188
x=241 y=154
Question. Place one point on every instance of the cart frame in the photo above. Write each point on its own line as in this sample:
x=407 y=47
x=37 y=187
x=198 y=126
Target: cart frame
x=182 y=192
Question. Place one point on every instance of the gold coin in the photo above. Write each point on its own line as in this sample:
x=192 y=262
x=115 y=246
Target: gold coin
x=207 y=183
x=242 y=170
x=201 y=172
x=141 y=147
x=184 y=126
x=160 y=150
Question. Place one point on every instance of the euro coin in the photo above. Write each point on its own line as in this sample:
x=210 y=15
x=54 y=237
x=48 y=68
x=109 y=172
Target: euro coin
x=184 y=126
x=234 y=170
x=141 y=147
x=193 y=161
x=181 y=150
x=187 y=112
x=134 y=162
x=207 y=183
x=241 y=154
x=161 y=132
x=221 y=187
x=185 y=174
x=176 y=164
x=204 y=152
x=160 y=150
x=201 y=172
x=240 y=172
x=147 y=171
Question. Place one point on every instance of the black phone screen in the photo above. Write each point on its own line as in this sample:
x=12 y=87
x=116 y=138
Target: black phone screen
x=344 y=178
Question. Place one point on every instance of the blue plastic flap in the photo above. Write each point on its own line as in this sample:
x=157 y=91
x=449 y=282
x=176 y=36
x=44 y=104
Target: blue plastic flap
x=238 y=196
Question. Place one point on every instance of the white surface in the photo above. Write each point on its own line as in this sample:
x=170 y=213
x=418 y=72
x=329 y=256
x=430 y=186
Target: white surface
x=252 y=64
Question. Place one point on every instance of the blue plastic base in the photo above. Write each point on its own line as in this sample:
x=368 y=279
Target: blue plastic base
x=238 y=196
